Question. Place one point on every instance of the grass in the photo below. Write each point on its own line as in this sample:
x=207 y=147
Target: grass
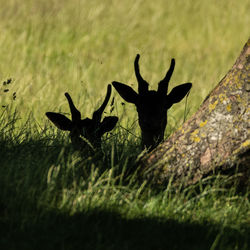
x=52 y=47
x=52 y=197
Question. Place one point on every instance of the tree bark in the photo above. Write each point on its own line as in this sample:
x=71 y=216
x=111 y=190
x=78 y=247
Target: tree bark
x=216 y=137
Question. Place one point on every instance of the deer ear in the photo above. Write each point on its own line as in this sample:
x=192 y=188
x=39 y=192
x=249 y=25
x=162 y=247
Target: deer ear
x=126 y=92
x=108 y=124
x=178 y=93
x=61 y=121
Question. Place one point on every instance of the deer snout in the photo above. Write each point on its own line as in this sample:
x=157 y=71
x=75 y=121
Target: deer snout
x=155 y=124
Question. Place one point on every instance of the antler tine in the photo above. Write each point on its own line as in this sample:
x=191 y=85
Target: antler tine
x=75 y=114
x=98 y=113
x=142 y=84
x=163 y=84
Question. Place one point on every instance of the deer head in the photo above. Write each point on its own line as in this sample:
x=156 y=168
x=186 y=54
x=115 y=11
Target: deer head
x=90 y=129
x=152 y=105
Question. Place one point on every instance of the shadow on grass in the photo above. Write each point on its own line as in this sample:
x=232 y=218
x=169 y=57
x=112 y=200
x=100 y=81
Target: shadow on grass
x=106 y=230
x=28 y=227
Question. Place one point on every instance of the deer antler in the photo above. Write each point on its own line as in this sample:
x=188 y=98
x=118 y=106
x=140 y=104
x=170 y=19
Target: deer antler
x=98 y=113
x=142 y=84
x=75 y=113
x=163 y=84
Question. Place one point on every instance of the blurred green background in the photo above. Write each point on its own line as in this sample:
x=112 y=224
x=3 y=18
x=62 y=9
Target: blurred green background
x=79 y=46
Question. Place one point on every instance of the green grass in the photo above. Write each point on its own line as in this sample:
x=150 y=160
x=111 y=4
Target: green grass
x=55 y=198
x=50 y=47
x=52 y=197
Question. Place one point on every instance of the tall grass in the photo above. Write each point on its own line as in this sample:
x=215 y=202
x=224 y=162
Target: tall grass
x=78 y=46
x=52 y=197
x=56 y=198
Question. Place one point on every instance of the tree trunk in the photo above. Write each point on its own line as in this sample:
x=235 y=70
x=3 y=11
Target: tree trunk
x=216 y=137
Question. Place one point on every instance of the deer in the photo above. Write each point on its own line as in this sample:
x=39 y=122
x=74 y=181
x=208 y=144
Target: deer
x=151 y=105
x=86 y=131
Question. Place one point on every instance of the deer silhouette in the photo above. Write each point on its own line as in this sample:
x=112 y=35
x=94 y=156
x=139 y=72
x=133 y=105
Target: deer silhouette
x=152 y=105
x=91 y=129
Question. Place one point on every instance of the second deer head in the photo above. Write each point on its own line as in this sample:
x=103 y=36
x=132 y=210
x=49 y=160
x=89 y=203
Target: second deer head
x=90 y=129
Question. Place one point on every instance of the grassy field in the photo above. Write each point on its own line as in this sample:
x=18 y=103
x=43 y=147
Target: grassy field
x=52 y=197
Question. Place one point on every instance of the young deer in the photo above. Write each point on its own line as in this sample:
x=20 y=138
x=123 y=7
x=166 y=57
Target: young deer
x=152 y=105
x=90 y=129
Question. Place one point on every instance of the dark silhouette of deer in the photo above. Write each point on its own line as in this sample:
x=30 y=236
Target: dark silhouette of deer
x=91 y=129
x=152 y=105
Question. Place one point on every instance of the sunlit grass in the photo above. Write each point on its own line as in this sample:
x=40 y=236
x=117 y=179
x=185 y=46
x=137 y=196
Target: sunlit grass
x=50 y=47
